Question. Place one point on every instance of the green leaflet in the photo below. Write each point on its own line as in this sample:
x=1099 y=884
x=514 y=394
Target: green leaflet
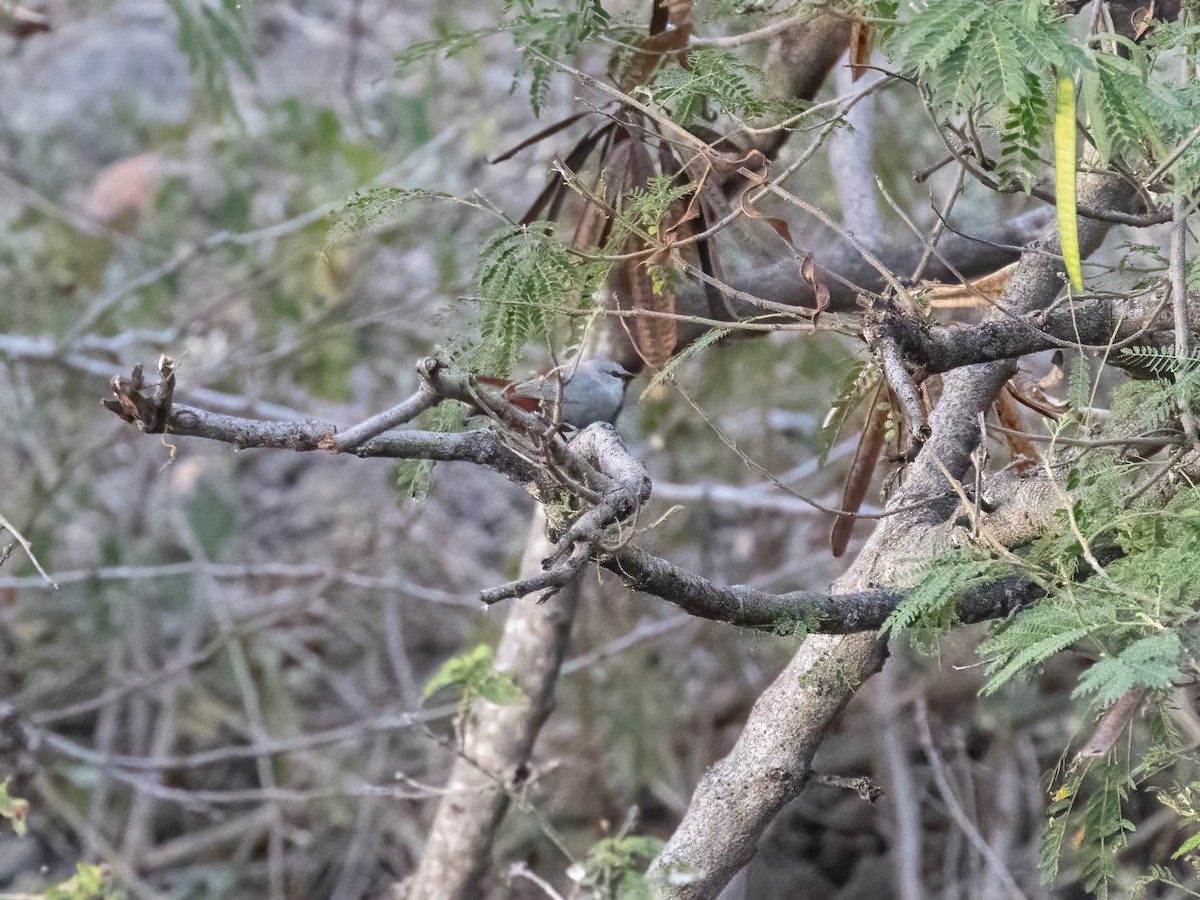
x=1064 y=166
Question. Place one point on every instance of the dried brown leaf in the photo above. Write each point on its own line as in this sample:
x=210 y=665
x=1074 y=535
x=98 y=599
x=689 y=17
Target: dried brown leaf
x=1023 y=452
x=983 y=289
x=862 y=40
x=862 y=470
x=123 y=193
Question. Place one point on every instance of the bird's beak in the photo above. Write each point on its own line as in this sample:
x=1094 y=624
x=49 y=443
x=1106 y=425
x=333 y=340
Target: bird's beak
x=627 y=376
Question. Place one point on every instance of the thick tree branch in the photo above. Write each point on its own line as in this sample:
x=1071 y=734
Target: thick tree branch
x=936 y=349
x=838 y=613
x=627 y=489
x=622 y=486
x=483 y=447
x=497 y=742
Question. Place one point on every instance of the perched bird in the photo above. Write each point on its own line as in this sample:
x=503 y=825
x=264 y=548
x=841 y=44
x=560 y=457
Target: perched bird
x=592 y=391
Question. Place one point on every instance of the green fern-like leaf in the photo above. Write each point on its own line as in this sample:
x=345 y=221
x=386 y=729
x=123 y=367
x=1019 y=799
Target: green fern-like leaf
x=1151 y=662
x=545 y=33
x=1054 y=837
x=524 y=276
x=447 y=45
x=643 y=209
x=213 y=36
x=1010 y=85
x=926 y=42
x=970 y=50
x=366 y=209
x=1023 y=133
x=860 y=380
x=1141 y=405
x=1104 y=826
x=713 y=79
x=1150 y=406
x=1042 y=41
x=1079 y=384
x=954 y=95
x=690 y=352
x=1120 y=103
x=1026 y=642
x=1157 y=360
x=930 y=603
x=1175 y=110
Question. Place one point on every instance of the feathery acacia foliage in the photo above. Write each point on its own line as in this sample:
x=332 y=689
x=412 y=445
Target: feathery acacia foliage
x=366 y=209
x=712 y=80
x=541 y=32
x=523 y=275
x=213 y=35
x=939 y=583
x=1136 y=616
x=1003 y=59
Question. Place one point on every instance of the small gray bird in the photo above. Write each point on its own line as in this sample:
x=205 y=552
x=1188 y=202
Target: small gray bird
x=592 y=391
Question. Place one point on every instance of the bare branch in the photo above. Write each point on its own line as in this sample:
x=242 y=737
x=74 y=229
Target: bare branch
x=837 y=613
x=497 y=742
x=1180 y=307
x=151 y=410
x=402 y=413
x=1099 y=322
x=6 y=525
x=905 y=388
x=960 y=817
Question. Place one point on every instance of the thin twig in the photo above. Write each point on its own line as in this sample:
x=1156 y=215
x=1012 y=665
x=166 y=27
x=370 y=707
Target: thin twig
x=904 y=386
x=251 y=703
x=867 y=789
x=1072 y=520
x=938 y=768
x=1173 y=156
x=1117 y=217
x=1167 y=440
x=274 y=571
x=748 y=37
x=1177 y=277
x=940 y=226
x=385 y=724
x=1158 y=476
x=6 y=525
x=774 y=479
x=821 y=216
x=520 y=870
x=353 y=438
x=138 y=826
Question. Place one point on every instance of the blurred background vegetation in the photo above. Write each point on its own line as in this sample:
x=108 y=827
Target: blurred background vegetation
x=168 y=190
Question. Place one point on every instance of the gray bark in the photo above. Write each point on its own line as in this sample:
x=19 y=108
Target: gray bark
x=497 y=742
